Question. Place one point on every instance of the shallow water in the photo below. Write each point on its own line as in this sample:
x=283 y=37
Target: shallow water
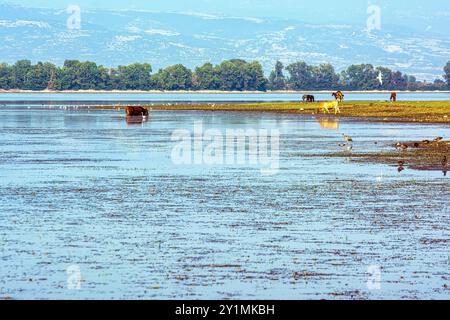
x=149 y=98
x=82 y=189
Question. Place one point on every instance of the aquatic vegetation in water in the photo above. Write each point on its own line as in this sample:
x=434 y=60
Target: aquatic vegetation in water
x=139 y=221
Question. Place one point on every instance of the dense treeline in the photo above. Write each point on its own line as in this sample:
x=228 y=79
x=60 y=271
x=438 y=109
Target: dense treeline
x=230 y=75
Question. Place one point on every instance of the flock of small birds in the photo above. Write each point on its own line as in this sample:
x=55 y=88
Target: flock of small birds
x=64 y=107
x=348 y=146
x=404 y=146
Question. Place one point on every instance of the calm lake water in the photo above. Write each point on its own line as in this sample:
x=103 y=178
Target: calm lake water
x=108 y=98
x=83 y=191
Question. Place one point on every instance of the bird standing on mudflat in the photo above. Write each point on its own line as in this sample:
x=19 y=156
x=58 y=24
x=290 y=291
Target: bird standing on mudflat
x=347 y=138
x=401 y=146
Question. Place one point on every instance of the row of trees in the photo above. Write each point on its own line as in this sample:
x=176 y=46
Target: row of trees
x=75 y=75
x=230 y=75
x=302 y=76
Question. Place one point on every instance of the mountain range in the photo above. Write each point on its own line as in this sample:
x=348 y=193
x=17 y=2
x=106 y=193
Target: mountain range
x=117 y=37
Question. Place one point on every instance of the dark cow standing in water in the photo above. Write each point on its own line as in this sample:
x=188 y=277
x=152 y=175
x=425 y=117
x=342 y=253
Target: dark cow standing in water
x=308 y=98
x=136 y=111
x=393 y=96
x=136 y=114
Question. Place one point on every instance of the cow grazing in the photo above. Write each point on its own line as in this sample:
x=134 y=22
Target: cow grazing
x=326 y=106
x=338 y=95
x=308 y=98
x=393 y=97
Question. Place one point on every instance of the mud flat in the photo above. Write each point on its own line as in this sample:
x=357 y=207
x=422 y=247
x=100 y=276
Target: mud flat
x=423 y=155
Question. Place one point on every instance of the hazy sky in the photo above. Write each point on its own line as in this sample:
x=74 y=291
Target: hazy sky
x=394 y=11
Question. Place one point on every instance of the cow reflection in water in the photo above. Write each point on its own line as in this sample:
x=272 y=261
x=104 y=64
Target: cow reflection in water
x=328 y=123
x=136 y=114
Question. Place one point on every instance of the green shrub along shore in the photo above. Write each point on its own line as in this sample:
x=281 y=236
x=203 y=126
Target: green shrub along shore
x=230 y=75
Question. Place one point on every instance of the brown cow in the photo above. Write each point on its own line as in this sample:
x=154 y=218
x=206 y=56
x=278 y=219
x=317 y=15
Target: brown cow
x=338 y=95
x=136 y=111
x=136 y=114
x=393 y=97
